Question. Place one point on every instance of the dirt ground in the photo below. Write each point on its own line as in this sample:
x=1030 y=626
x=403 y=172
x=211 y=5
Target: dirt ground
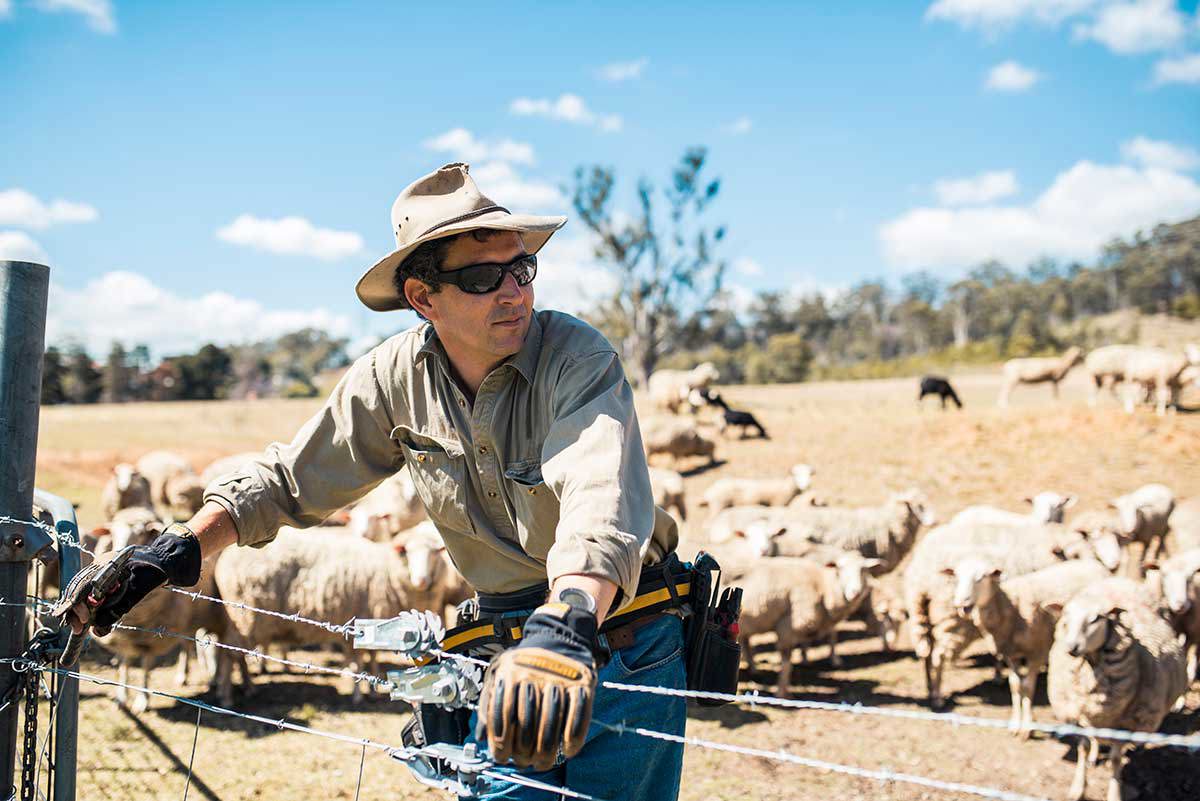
x=864 y=438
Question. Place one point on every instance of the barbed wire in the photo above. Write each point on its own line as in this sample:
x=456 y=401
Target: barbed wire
x=882 y=774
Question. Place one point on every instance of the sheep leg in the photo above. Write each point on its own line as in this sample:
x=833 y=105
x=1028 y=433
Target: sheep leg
x=1079 y=783
x=142 y=702
x=1114 y=784
x=181 y=667
x=1014 y=690
x=222 y=680
x=834 y=659
x=938 y=659
x=1129 y=390
x=1054 y=385
x=1094 y=753
x=122 y=694
x=1028 y=687
x=1002 y=402
x=352 y=666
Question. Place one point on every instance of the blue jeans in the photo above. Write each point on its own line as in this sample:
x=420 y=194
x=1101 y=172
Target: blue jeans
x=622 y=767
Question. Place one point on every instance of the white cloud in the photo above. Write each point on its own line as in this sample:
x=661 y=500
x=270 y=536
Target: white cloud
x=98 y=13
x=747 y=266
x=622 y=70
x=567 y=108
x=292 y=236
x=1185 y=69
x=5 y=8
x=501 y=183
x=569 y=277
x=128 y=308
x=1085 y=207
x=1009 y=76
x=463 y=144
x=18 y=207
x=742 y=125
x=19 y=246
x=1136 y=27
x=1155 y=153
x=992 y=15
x=982 y=188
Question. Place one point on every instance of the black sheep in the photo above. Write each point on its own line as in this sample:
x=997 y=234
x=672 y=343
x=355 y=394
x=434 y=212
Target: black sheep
x=732 y=417
x=936 y=385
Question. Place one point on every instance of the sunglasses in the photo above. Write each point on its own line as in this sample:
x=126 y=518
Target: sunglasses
x=480 y=279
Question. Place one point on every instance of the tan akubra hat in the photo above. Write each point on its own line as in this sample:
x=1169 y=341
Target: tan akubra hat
x=443 y=203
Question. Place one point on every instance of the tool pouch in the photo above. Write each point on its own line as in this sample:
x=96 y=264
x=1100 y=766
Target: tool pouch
x=713 y=652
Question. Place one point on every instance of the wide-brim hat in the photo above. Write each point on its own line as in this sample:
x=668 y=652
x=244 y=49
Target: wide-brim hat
x=443 y=203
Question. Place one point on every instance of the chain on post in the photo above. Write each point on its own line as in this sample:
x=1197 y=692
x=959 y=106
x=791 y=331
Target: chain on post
x=30 y=751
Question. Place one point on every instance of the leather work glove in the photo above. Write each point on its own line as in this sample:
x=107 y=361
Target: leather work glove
x=537 y=696
x=173 y=558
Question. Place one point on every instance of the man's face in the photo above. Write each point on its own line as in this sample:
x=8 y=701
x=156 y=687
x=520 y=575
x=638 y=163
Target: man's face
x=486 y=328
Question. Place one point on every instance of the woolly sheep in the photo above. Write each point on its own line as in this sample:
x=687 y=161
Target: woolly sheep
x=331 y=575
x=1145 y=517
x=939 y=634
x=1155 y=370
x=725 y=525
x=668 y=490
x=1179 y=585
x=677 y=438
x=1037 y=371
x=1185 y=525
x=669 y=389
x=390 y=508
x=430 y=570
x=158 y=467
x=800 y=600
x=885 y=532
x=1114 y=664
x=1046 y=507
x=727 y=492
x=1106 y=366
x=1018 y=615
x=126 y=487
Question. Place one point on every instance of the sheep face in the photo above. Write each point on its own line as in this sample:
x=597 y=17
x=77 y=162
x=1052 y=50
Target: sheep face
x=1129 y=513
x=974 y=584
x=1193 y=353
x=1048 y=507
x=1176 y=587
x=918 y=506
x=1108 y=549
x=138 y=532
x=853 y=571
x=761 y=538
x=1084 y=628
x=124 y=474
x=802 y=474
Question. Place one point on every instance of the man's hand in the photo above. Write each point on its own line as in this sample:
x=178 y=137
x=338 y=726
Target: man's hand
x=537 y=696
x=173 y=558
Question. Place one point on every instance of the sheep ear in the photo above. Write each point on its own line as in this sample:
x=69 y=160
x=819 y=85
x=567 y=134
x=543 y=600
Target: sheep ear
x=739 y=534
x=1070 y=501
x=871 y=564
x=400 y=548
x=101 y=532
x=1151 y=566
x=1058 y=552
x=1053 y=608
x=1110 y=505
x=1027 y=499
x=779 y=532
x=947 y=571
x=831 y=564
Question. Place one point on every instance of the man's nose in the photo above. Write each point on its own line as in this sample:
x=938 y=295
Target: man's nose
x=510 y=290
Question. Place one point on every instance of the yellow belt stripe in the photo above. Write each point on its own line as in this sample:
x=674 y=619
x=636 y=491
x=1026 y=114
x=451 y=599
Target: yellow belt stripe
x=650 y=598
x=485 y=630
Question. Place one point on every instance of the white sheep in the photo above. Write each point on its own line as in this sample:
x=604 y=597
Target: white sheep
x=1156 y=370
x=1145 y=516
x=677 y=438
x=669 y=389
x=884 y=532
x=1114 y=664
x=430 y=571
x=390 y=508
x=1018 y=616
x=801 y=601
x=1045 y=507
x=727 y=492
x=726 y=524
x=1106 y=366
x=668 y=491
x=1179 y=584
x=1038 y=371
x=226 y=465
x=939 y=634
x=126 y=487
x=1185 y=525
x=330 y=574
x=159 y=467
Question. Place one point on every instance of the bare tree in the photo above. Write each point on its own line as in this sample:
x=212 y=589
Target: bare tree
x=662 y=256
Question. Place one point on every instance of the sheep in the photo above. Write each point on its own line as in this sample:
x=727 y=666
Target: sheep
x=800 y=600
x=1179 y=585
x=938 y=633
x=333 y=575
x=159 y=467
x=698 y=398
x=390 y=508
x=430 y=570
x=1038 y=371
x=727 y=492
x=1018 y=616
x=227 y=464
x=1185 y=525
x=1106 y=366
x=126 y=487
x=937 y=385
x=669 y=389
x=1046 y=507
x=885 y=532
x=1157 y=370
x=678 y=438
x=668 y=490
x=1145 y=517
x=1114 y=664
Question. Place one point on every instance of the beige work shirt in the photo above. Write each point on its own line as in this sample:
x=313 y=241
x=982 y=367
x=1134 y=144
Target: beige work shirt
x=543 y=475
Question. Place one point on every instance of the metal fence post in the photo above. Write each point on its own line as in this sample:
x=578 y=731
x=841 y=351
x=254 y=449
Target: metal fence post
x=24 y=290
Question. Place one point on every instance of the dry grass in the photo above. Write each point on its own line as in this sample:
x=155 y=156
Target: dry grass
x=865 y=438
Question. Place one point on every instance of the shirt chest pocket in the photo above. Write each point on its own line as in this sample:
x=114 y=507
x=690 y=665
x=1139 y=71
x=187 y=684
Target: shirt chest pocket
x=535 y=506
x=439 y=472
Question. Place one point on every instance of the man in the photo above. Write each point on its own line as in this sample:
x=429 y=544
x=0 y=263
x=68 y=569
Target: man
x=519 y=430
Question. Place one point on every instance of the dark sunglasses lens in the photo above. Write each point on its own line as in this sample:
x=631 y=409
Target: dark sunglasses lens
x=525 y=270
x=481 y=279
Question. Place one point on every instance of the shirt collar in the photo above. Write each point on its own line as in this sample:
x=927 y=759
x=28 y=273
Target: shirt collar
x=523 y=361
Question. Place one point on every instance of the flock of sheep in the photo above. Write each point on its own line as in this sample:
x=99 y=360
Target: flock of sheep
x=1108 y=602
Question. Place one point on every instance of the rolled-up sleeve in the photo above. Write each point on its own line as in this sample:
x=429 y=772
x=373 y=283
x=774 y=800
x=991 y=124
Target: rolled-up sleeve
x=594 y=463
x=341 y=453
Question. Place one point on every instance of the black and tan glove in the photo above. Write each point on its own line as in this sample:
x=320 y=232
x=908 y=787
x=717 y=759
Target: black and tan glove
x=537 y=696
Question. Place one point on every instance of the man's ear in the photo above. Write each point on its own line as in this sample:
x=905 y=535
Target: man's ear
x=417 y=292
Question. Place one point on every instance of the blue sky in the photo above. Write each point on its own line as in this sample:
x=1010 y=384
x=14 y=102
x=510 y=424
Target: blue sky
x=225 y=170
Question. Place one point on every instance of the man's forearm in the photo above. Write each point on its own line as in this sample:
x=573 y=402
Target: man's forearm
x=603 y=590
x=214 y=528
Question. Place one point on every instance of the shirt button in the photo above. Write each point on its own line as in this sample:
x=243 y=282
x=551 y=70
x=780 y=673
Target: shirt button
x=491 y=494
x=533 y=490
x=483 y=448
x=420 y=457
x=462 y=403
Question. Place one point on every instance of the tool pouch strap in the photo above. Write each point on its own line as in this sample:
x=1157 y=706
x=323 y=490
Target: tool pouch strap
x=712 y=648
